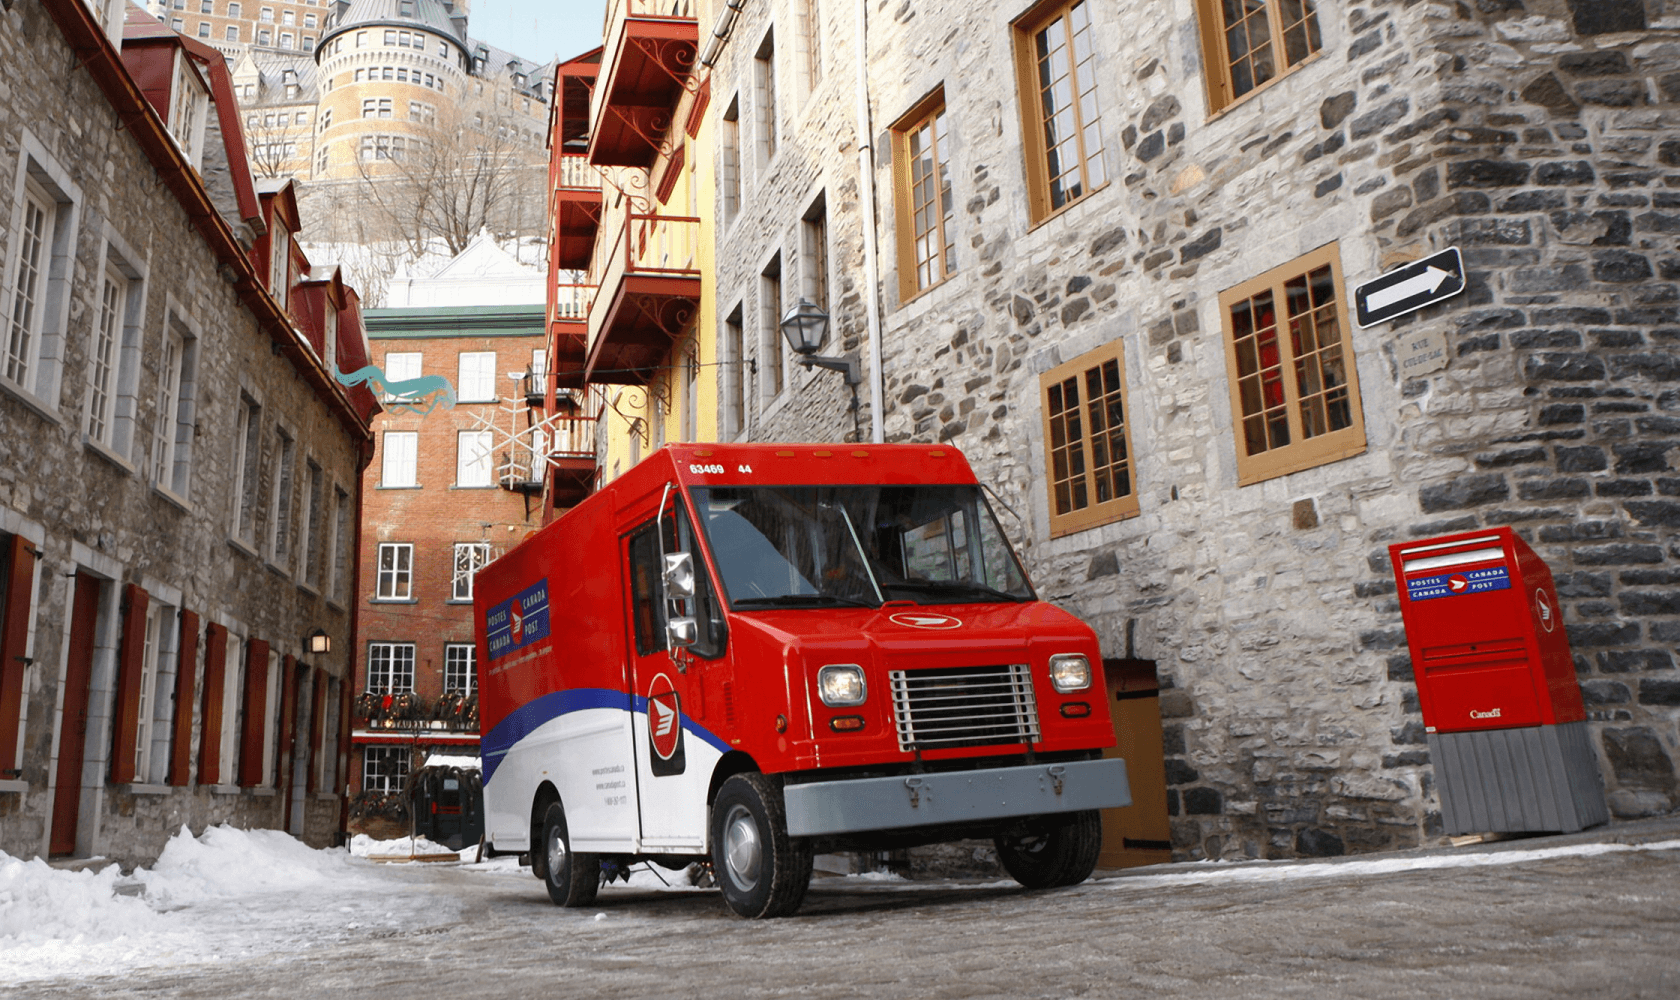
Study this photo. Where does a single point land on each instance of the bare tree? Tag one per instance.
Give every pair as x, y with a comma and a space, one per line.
274, 144
460, 170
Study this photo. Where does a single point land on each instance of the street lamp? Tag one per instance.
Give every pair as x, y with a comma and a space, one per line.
805, 326
318, 642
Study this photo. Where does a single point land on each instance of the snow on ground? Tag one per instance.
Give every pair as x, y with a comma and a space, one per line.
363, 846
230, 894
227, 894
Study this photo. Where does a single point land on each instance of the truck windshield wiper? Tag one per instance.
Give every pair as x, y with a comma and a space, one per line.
801, 601
956, 586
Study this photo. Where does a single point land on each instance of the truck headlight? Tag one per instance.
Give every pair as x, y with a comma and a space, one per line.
841, 684
1070, 672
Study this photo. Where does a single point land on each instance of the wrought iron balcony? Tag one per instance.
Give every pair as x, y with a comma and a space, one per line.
648, 268
646, 66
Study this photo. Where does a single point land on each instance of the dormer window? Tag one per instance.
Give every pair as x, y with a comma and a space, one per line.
329, 339
189, 106
279, 259
405, 8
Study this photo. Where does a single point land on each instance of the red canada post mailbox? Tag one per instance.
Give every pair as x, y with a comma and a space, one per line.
1501, 707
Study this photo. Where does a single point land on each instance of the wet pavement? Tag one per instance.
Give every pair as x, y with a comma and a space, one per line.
1538, 917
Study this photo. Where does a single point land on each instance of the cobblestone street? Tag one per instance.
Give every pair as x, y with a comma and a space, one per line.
1595, 914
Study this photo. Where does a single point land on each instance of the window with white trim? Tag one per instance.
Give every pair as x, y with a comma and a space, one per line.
470, 557
396, 571
390, 667
398, 463
312, 549
460, 667
385, 769
39, 271
166, 414
279, 263
477, 377
473, 458
338, 563
247, 444
280, 514
106, 356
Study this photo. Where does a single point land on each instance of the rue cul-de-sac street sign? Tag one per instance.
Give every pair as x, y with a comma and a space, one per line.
1410, 288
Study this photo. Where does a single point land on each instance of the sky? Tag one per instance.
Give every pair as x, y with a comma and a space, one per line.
539, 30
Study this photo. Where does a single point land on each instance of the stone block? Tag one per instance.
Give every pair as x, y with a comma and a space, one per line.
1597, 693
1590, 635
1581, 459
1464, 492
1487, 174
1633, 661
1655, 513
1621, 266
1620, 554
1637, 757
1642, 457
1661, 694
1651, 602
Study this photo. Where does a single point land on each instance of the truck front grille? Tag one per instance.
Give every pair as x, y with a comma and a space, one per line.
964, 706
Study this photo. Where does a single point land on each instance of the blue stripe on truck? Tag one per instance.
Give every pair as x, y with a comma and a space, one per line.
534, 714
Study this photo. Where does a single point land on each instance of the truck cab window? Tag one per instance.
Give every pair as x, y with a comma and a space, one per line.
650, 610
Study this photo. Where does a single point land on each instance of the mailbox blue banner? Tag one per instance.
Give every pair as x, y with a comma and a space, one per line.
516, 623
1476, 581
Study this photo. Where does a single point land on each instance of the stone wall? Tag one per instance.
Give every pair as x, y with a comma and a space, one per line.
93, 509
1535, 136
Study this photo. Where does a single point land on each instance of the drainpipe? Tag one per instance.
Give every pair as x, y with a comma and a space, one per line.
871, 266
720, 31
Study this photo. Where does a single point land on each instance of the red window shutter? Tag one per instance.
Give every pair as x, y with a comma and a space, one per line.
256, 709
14, 643
317, 728
125, 725
215, 689
186, 677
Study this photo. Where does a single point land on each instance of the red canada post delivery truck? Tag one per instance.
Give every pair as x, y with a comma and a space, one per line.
755, 653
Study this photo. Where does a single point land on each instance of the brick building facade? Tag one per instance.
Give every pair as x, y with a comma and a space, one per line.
1122, 197
179, 471
450, 489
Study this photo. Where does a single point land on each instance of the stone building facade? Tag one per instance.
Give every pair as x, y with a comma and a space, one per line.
179, 472
1231, 518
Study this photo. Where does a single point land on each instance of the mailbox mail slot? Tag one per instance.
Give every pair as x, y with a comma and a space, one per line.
1496, 684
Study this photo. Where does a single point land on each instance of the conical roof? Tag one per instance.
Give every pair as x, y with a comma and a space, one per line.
435, 15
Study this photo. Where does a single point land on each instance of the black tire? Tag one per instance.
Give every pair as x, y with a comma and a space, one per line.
762, 871
1057, 851
572, 878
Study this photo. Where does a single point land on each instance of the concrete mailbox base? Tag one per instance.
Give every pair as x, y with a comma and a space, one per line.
1534, 779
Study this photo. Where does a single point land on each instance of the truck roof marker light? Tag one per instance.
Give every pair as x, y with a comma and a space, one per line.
704, 454
784, 454
936, 453
851, 723
860, 454
823, 454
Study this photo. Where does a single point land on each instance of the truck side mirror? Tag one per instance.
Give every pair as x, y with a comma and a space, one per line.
679, 577
681, 632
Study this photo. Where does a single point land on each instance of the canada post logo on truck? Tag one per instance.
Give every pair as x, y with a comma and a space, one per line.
517, 622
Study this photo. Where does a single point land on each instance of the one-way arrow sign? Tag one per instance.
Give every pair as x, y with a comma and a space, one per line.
1410, 288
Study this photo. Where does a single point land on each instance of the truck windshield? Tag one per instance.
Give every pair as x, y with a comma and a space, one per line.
836, 546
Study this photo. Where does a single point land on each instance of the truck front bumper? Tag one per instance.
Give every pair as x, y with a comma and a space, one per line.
859, 805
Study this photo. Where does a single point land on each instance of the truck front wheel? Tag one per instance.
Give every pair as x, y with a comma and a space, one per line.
1060, 850
572, 878
762, 871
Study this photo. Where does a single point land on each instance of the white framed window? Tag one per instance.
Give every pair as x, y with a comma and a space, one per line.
339, 564
247, 450
470, 557
401, 454
312, 546
473, 458
329, 339
460, 667
189, 108
390, 667
396, 571
232, 33
106, 357
385, 769
166, 415
477, 381
401, 366
149, 655
280, 514
279, 263
271, 718
233, 708
38, 272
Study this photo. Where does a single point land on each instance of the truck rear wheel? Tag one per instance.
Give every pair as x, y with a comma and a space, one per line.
762, 871
572, 878
1061, 850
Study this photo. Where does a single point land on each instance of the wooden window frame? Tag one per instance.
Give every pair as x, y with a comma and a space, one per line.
1094, 512
1039, 201
253, 734
1216, 59
925, 114
1300, 452
17, 611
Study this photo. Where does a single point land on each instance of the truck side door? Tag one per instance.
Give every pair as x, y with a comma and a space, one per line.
675, 752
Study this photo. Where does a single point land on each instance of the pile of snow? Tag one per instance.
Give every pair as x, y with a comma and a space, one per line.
364, 846
55, 922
